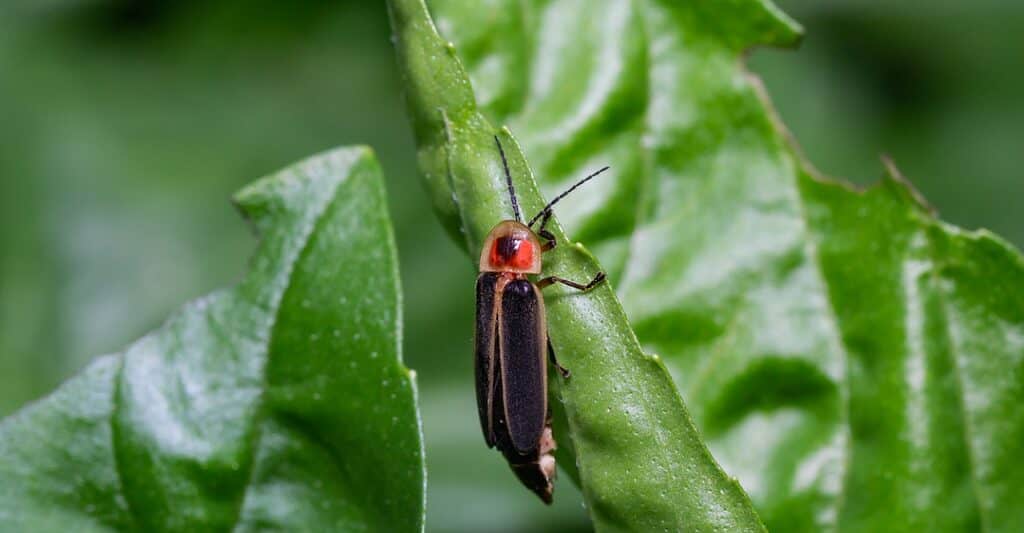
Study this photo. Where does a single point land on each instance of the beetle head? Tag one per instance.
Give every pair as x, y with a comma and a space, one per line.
511, 247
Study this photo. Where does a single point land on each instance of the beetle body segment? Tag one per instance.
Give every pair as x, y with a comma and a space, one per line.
522, 334
486, 350
511, 376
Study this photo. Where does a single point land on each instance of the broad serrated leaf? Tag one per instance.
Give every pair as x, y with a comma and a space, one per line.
641, 463
278, 404
856, 363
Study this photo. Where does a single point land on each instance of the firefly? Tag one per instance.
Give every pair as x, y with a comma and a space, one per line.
512, 345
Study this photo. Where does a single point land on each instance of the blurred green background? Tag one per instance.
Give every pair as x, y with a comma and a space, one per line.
126, 125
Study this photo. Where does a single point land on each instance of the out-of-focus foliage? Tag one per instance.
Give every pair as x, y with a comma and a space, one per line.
280, 403
938, 89
126, 125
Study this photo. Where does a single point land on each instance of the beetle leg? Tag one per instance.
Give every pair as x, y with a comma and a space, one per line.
551, 280
549, 240
542, 232
545, 217
554, 360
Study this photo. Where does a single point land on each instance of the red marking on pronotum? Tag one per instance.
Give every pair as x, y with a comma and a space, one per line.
511, 252
512, 342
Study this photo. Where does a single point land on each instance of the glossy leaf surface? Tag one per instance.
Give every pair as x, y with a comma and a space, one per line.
856, 363
278, 404
641, 464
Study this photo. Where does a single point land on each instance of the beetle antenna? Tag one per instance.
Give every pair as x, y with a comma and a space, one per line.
508, 179
547, 208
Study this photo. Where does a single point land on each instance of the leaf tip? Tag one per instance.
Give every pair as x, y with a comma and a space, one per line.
260, 197
785, 31
904, 187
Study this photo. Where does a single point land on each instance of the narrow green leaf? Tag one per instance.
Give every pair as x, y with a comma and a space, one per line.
856, 363
641, 463
280, 403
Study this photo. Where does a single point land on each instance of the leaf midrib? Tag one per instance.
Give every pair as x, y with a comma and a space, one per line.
954, 366
261, 407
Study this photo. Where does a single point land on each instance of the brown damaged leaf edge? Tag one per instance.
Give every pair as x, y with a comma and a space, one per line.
641, 463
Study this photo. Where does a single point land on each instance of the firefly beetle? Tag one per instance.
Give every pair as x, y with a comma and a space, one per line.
512, 342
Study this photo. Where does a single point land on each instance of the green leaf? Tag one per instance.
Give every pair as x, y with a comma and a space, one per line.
856, 363
641, 463
280, 403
